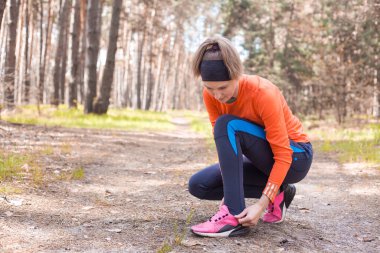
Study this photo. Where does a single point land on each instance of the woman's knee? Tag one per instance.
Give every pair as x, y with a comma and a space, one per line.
195, 188
222, 123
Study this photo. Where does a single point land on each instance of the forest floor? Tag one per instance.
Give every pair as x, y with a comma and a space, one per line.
134, 198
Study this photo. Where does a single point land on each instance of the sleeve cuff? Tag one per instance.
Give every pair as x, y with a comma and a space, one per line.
271, 190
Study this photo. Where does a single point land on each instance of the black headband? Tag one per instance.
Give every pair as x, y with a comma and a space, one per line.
214, 70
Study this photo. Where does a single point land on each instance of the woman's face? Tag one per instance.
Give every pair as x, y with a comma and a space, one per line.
222, 90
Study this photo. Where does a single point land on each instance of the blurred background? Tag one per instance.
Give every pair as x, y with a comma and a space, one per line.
324, 55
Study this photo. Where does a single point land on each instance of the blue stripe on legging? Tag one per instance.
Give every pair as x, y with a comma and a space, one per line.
246, 127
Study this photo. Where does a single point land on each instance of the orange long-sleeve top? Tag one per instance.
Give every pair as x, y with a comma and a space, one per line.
261, 102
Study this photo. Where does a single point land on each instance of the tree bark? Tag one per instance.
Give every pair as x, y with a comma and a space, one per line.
139, 83
160, 67
62, 75
102, 102
149, 72
19, 59
90, 76
46, 48
127, 98
3, 3
10, 58
60, 51
26, 51
75, 42
83, 46
376, 70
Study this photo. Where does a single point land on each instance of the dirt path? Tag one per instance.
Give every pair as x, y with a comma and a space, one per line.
134, 199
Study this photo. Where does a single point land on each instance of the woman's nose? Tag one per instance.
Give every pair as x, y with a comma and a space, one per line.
218, 95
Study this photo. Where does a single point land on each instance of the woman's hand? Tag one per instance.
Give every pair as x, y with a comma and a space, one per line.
251, 215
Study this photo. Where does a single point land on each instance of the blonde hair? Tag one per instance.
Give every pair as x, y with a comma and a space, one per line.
226, 52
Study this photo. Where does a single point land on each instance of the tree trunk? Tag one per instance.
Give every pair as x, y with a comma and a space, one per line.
90, 76
62, 75
127, 98
26, 51
3, 3
75, 42
10, 58
83, 46
139, 84
46, 49
376, 79
150, 80
19, 59
59, 52
160, 66
102, 103
140, 49
150, 76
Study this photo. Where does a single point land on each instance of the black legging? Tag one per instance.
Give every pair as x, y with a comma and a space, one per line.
245, 162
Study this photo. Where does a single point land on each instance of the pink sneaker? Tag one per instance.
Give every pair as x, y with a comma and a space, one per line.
222, 224
275, 212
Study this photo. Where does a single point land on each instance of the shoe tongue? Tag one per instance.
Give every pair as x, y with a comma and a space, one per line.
224, 209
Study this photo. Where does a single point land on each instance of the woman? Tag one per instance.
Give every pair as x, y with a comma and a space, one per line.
261, 145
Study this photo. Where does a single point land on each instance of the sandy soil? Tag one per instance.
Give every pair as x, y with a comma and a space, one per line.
134, 198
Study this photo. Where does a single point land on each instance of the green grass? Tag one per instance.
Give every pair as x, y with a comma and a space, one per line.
38, 176
125, 119
179, 233
15, 166
77, 174
10, 165
350, 144
48, 150
9, 190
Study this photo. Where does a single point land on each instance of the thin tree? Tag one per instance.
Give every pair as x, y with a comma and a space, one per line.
44, 53
62, 75
10, 58
26, 52
3, 3
140, 49
102, 102
90, 75
59, 52
75, 42
83, 46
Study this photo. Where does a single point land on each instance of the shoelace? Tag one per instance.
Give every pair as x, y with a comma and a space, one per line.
218, 218
270, 208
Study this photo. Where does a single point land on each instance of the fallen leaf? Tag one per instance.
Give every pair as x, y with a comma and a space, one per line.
368, 239
304, 209
88, 208
114, 230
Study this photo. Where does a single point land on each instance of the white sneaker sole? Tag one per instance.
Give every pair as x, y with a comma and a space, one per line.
234, 232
